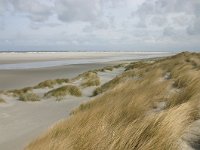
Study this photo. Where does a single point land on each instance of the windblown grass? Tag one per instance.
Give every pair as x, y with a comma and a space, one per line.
107, 68
91, 82
106, 86
51, 83
29, 97
89, 78
19, 92
123, 117
61, 92
110, 68
130, 74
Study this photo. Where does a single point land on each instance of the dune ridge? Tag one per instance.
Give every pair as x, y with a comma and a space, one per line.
151, 105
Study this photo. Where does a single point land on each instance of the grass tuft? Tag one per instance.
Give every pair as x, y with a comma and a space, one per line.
91, 82
134, 65
2, 100
51, 83
60, 92
29, 97
107, 68
89, 78
19, 92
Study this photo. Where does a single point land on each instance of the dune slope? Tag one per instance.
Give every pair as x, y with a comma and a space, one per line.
152, 105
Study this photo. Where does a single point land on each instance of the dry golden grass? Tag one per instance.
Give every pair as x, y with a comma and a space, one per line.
89, 78
107, 68
130, 74
51, 83
110, 68
19, 92
29, 96
60, 92
91, 82
127, 115
106, 86
120, 65
134, 65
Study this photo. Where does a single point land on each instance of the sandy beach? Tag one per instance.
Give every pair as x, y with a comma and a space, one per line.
19, 78
9, 58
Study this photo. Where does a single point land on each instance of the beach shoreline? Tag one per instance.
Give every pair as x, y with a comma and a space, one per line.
25, 57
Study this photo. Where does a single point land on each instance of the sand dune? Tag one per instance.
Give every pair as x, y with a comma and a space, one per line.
151, 105
23, 121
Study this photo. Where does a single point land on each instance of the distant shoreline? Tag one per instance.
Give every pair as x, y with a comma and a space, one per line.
30, 57
137, 52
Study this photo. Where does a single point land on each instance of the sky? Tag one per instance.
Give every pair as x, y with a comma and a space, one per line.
100, 25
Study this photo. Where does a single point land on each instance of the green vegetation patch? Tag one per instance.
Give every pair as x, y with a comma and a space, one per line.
107, 86
19, 92
63, 91
133, 65
2, 100
107, 68
51, 83
89, 78
91, 82
29, 97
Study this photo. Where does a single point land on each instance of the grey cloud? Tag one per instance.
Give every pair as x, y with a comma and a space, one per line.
166, 14
194, 29
159, 20
101, 23
165, 8
182, 19
169, 6
169, 31
77, 10
1, 25
35, 10
196, 7
38, 25
3, 5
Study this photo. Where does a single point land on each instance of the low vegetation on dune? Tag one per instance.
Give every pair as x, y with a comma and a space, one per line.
106, 86
134, 74
91, 82
134, 65
120, 65
110, 68
19, 92
147, 107
24, 94
61, 92
88, 79
2, 100
51, 83
29, 96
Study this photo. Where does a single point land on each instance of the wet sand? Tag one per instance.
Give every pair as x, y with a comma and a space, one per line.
19, 78
12, 79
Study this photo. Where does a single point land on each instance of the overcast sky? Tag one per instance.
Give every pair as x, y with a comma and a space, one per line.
134, 25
